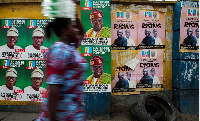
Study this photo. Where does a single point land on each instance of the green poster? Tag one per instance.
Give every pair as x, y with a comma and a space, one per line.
98, 77
12, 80
95, 15
13, 39
37, 45
35, 80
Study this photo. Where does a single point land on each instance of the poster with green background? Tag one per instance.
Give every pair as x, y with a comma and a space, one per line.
97, 56
102, 14
17, 69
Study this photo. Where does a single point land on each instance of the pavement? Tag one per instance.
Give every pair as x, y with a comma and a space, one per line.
14, 116
123, 116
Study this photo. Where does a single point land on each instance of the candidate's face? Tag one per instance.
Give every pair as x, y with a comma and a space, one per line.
12, 40
197, 33
152, 73
119, 33
154, 14
120, 75
97, 70
155, 32
127, 34
36, 82
145, 72
10, 81
147, 32
128, 76
37, 41
97, 24
189, 32
127, 15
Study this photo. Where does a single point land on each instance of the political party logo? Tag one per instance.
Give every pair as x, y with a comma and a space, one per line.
31, 24
191, 12
147, 14
6, 23
87, 51
5, 64
145, 54
30, 65
87, 5
119, 15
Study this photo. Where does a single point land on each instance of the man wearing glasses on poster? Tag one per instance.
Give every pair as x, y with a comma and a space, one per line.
98, 30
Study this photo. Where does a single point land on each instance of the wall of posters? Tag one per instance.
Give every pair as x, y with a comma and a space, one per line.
189, 29
23, 58
96, 45
137, 43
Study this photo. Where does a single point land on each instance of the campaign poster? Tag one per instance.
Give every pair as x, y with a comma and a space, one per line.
124, 26
35, 80
149, 70
13, 39
12, 80
95, 16
151, 30
189, 29
98, 76
36, 44
122, 66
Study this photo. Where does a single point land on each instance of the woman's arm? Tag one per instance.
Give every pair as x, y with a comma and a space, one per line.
53, 100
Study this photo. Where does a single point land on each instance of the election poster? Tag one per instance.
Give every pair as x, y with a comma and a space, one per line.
151, 30
95, 15
189, 29
12, 82
98, 77
35, 80
13, 39
124, 26
36, 44
149, 70
123, 63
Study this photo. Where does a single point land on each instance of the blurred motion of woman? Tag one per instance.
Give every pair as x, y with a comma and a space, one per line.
65, 73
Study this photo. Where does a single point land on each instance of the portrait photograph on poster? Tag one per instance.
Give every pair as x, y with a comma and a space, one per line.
96, 18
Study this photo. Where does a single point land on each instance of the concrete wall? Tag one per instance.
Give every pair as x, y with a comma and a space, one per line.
33, 11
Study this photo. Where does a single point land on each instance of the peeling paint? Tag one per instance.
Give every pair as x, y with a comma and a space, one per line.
190, 70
